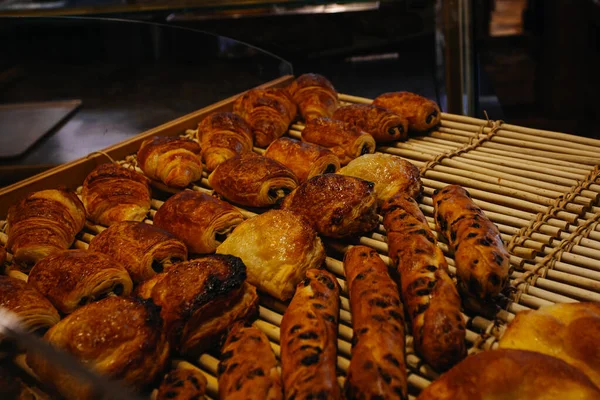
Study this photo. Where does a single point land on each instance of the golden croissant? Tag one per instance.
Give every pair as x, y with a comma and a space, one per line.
314, 95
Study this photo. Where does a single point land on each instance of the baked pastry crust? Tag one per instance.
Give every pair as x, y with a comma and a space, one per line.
422, 114
183, 384
277, 247
314, 95
384, 125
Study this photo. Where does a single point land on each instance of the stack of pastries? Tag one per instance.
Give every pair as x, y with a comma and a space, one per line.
190, 280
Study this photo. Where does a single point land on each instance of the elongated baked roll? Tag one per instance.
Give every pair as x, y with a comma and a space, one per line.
73, 278
277, 247
248, 368
143, 249
268, 111
511, 374
430, 297
199, 220
173, 160
34, 310
422, 114
43, 223
392, 175
117, 336
384, 125
309, 339
566, 331
377, 368
183, 384
112, 193
335, 205
304, 159
346, 141
482, 262
315, 96
222, 136
253, 180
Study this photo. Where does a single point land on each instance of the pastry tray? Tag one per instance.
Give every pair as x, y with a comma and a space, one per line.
539, 187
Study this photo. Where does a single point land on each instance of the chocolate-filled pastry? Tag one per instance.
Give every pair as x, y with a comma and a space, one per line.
511, 374
34, 310
222, 136
252, 180
278, 247
268, 111
309, 339
119, 337
199, 220
200, 299
304, 159
346, 141
143, 249
248, 368
482, 262
336, 205
183, 384
430, 297
315, 96
43, 223
112, 194
173, 160
392, 175
73, 278
422, 114
377, 368
567, 331
384, 125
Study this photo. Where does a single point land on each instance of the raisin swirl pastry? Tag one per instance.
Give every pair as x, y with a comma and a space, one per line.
73, 278
430, 297
304, 159
382, 124
143, 249
244, 377
183, 384
222, 136
347, 142
422, 114
199, 220
43, 223
112, 194
482, 262
118, 337
377, 368
34, 310
268, 111
315, 96
173, 160
309, 339
336, 205
252, 180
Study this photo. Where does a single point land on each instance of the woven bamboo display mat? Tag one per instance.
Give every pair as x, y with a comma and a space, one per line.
540, 188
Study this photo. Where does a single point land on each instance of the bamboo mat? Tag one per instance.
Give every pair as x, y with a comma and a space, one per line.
540, 188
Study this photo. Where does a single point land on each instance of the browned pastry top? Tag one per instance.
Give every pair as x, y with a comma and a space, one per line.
306, 80
383, 124
164, 144
226, 121
315, 96
420, 112
182, 384
43, 204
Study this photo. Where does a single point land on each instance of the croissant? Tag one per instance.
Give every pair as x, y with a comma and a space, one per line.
43, 223
222, 136
422, 114
314, 95
143, 249
174, 161
113, 194
268, 111
382, 124
344, 140
34, 310
252, 180
117, 336
304, 159
199, 220
73, 278
392, 175
183, 384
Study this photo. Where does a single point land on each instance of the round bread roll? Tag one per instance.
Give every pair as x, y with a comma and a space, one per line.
511, 374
